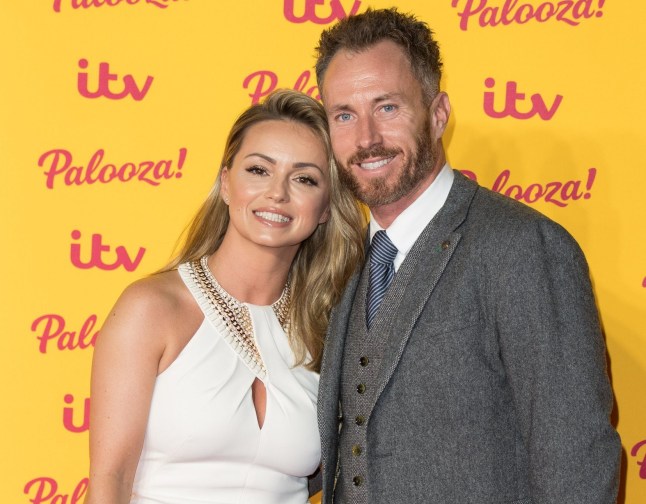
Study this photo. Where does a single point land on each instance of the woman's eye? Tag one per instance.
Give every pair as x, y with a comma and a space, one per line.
307, 180
256, 170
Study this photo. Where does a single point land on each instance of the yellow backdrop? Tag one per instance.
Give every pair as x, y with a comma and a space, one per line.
113, 114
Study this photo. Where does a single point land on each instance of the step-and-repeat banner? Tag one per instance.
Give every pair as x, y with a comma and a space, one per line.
113, 115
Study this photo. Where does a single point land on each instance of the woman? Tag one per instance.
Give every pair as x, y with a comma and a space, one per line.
204, 379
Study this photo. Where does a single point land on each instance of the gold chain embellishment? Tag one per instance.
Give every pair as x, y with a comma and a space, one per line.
235, 314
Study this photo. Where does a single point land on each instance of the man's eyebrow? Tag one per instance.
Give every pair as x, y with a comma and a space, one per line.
378, 99
386, 97
339, 107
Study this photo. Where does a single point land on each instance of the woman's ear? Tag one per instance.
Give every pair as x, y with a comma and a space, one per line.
325, 216
224, 184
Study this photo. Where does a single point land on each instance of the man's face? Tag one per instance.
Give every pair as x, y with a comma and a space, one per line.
380, 127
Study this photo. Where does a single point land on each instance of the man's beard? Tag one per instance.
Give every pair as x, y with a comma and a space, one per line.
377, 192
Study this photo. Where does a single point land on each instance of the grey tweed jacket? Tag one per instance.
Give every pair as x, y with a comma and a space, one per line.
493, 384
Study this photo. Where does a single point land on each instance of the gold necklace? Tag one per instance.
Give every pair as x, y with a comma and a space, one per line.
235, 314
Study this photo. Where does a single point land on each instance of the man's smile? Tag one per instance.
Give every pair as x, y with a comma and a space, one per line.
374, 165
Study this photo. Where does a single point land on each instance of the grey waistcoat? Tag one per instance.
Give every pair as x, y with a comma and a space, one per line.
361, 361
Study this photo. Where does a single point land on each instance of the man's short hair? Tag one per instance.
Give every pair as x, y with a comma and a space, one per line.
362, 31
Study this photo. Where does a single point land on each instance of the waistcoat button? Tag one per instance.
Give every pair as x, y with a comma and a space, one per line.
361, 388
364, 361
357, 481
356, 450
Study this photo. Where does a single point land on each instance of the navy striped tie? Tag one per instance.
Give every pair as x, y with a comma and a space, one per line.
381, 273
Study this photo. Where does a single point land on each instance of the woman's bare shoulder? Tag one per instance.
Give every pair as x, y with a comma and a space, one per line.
162, 295
159, 305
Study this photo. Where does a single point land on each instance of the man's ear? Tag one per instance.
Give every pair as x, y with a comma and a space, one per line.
440, 110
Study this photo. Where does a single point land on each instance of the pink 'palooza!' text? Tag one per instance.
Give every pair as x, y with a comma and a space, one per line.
491, 13
87, 4
637, 451
263, 82
52, 332
46, 490
59, 166
556, 192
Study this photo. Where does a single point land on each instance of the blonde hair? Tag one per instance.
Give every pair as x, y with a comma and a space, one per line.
325, 261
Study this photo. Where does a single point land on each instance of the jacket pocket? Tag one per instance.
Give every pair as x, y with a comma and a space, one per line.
448, 324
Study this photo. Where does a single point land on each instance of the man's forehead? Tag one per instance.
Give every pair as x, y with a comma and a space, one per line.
371, 78
378, 49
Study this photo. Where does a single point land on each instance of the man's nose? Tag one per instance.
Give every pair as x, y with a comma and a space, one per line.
368, 133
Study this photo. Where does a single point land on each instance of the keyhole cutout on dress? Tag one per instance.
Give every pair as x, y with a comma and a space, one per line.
259, 397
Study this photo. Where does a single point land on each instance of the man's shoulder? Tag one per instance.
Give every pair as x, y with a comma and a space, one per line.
500, 219
491, 202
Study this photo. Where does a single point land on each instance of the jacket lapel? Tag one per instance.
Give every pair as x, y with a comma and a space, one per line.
419, 274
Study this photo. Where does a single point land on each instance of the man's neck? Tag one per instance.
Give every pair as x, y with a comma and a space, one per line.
386, 214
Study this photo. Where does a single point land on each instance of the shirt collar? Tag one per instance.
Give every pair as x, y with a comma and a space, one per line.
409, 224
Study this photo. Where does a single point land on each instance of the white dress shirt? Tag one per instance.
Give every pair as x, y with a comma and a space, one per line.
406, 228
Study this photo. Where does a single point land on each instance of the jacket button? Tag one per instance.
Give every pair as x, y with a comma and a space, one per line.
364, 361
359, 420
357, 481
356, 450
446, 244
361, 388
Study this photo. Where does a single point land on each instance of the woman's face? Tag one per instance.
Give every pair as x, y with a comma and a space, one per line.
277, 188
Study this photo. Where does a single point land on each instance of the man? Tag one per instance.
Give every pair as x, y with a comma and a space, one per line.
465, 363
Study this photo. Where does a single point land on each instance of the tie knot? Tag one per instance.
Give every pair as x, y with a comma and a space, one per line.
382, 250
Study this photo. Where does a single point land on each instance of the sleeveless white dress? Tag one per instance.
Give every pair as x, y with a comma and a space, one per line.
203, 444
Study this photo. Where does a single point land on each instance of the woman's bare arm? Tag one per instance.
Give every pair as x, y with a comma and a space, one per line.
126, 362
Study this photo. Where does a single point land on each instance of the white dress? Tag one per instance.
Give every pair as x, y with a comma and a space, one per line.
203, 444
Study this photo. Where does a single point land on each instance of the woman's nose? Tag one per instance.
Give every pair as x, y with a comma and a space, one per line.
277, 189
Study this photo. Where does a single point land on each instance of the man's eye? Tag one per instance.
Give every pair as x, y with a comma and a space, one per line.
344, 117
389, 108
